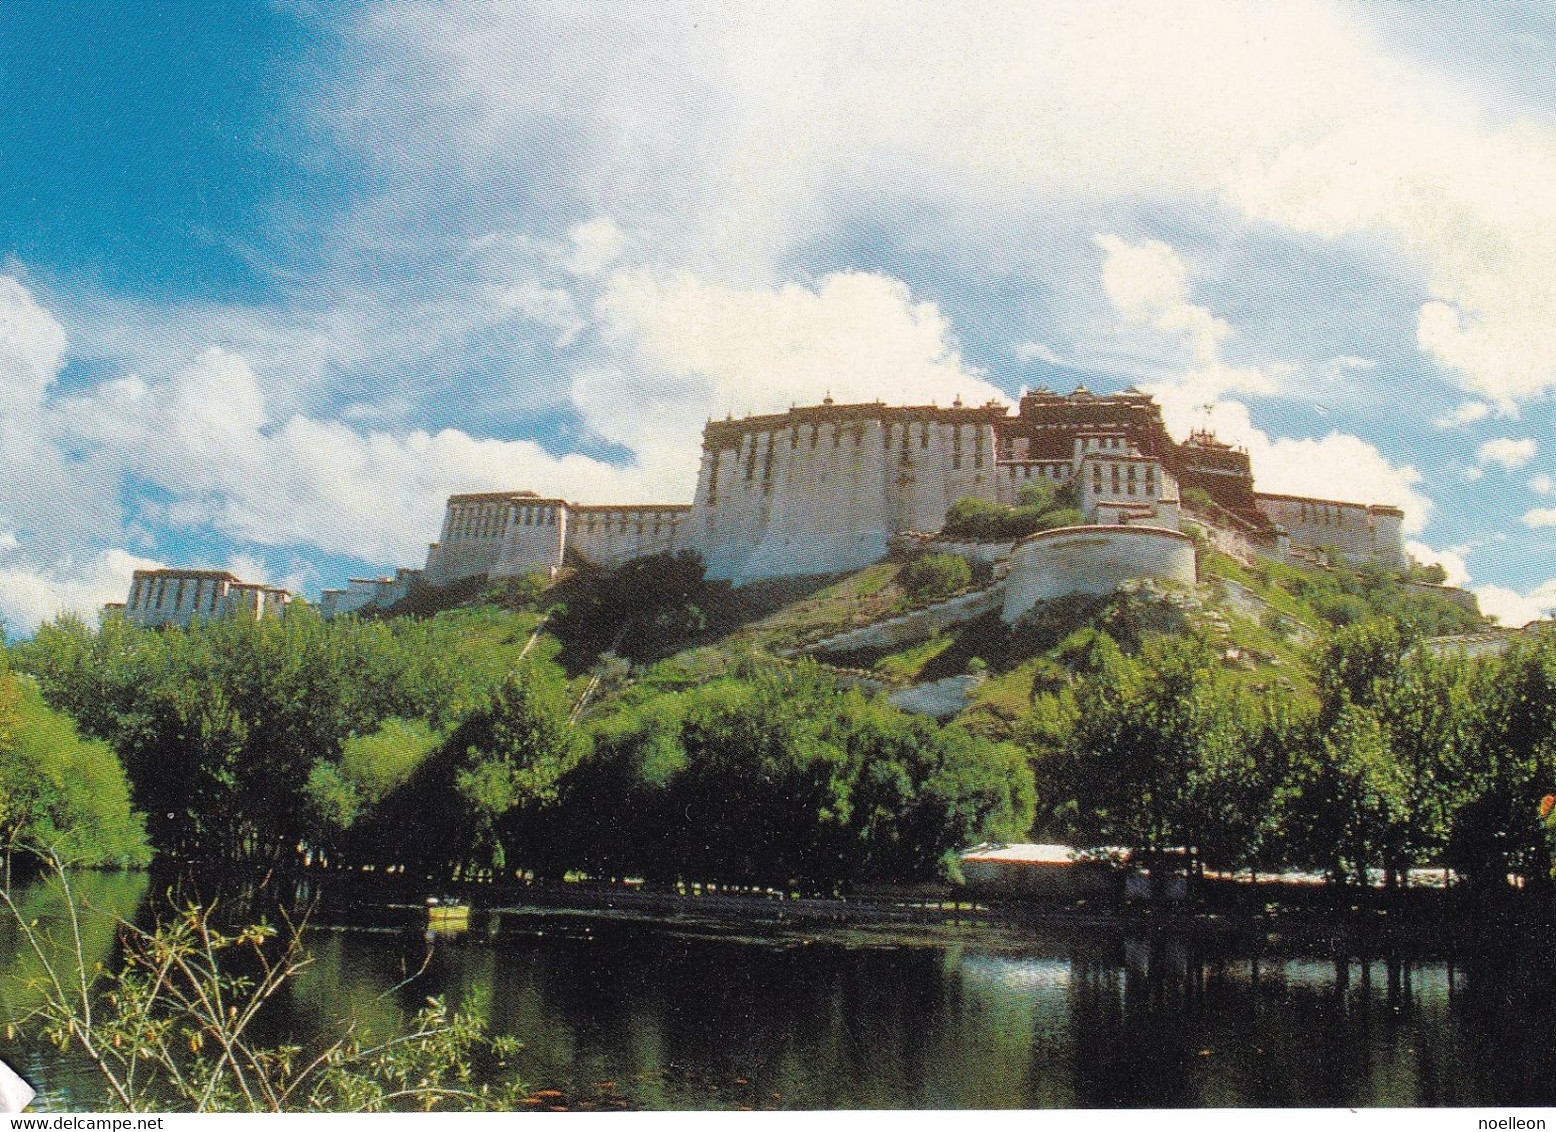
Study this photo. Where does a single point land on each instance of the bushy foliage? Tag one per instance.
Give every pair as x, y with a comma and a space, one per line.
1346, 594
781, 777
175, 1021
1040, 507
220, 726
654, 605
60, 790
935, 577
1406, 758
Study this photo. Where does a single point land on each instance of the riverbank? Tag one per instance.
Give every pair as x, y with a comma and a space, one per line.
1414, 922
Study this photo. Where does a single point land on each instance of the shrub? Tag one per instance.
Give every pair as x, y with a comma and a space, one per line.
935, 577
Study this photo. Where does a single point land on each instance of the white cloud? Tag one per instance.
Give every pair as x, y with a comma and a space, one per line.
32, 347
1542, 484
593, 246
546, 306
730, 134
1148, 284
31, 595
1450, 559
1507, 452
209, 438
1034, 351
695, 349
1516, 609
1467, 413
1538, 517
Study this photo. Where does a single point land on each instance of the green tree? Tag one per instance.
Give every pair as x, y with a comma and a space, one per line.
935, 577
1352, 803
517, 751
59, 790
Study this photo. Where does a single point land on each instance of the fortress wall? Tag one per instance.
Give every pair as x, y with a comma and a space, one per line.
935, 463
1462, 598
609, 536
824, 490
1359, 532
474, 530
1236, 545
534, 537
1118, 478
721, 526
986, 552
177, 597
916, 625
1092, 560
827, 511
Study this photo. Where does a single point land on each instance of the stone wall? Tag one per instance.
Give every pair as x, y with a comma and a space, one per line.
178, 597
824, 489
611, 535
1093, 560
534, 538
1356, 530
477, 529
916, 625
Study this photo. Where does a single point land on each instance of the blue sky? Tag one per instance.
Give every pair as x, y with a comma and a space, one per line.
275, 278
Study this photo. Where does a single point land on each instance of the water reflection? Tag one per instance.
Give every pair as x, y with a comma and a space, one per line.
692, 1012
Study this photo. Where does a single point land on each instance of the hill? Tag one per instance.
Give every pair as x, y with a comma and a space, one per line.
657, 623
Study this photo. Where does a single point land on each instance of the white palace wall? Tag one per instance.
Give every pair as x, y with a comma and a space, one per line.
1360, 532
477, 529
611, 535
826, 488
1092, 560
818, 492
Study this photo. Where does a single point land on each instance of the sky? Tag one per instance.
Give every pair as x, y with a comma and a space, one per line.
276, 278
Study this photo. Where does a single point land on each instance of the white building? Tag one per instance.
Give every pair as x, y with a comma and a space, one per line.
178, 597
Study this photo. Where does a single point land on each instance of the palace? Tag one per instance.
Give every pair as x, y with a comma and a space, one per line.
177, 597
827, 488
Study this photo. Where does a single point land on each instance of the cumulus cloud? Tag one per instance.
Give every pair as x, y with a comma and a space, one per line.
1457, 571
1542, 484
1506, 452
1516, 609
1149, 282
730, 134
1336, 466
1538, 517
1466, 413
592, 246
217, 453
689, 349
31, 595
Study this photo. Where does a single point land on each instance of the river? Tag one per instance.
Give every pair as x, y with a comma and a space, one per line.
692, 1009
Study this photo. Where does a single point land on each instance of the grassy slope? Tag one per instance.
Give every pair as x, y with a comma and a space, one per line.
1263, 629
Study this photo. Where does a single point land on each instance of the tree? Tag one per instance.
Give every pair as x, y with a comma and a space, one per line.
517, 750
60, 791
935, 577
1353, 800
